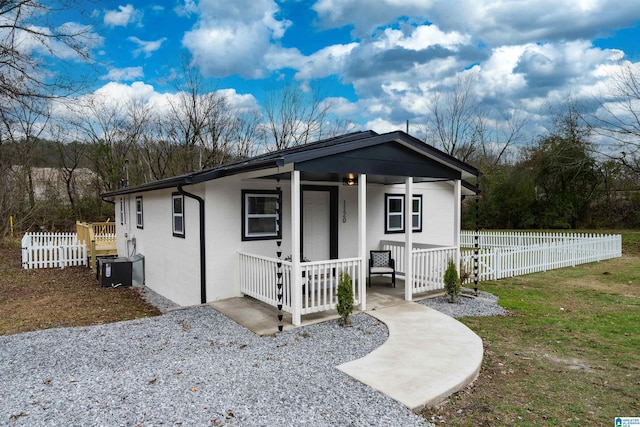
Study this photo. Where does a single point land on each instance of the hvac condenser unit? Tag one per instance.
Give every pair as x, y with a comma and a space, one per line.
114, 272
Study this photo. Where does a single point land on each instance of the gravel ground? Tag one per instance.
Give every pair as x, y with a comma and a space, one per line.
192, 367
197, 367
485, 304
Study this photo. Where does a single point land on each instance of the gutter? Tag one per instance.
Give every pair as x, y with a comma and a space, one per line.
203, 269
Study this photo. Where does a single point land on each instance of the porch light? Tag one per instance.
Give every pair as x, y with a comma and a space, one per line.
350, 180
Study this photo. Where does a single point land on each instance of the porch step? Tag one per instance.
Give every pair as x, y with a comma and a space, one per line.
427, 357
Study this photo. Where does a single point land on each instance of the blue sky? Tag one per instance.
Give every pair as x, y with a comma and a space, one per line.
379, 62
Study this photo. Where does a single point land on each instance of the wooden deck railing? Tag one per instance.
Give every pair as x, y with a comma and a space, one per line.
100, 238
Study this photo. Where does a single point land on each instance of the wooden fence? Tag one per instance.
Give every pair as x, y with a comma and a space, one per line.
51, 250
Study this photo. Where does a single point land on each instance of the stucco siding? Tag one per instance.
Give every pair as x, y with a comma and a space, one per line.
437, 214
171, 263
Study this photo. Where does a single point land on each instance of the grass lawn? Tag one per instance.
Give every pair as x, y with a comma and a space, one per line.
52, 298
568, 355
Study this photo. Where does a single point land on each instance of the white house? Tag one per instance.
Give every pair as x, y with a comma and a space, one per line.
229, 231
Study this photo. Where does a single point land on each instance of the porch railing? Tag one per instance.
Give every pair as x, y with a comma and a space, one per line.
258, 279
429, 266
319, 281
397, 251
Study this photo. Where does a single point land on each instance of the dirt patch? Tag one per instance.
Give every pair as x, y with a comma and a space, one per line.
50, 298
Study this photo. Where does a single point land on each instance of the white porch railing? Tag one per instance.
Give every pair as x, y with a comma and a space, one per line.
258, 279
50, 250
319, 281
397, 251
429, 266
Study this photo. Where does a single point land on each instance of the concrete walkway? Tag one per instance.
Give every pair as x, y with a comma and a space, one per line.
427, 357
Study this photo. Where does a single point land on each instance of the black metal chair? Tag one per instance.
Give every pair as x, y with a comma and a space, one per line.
380, 262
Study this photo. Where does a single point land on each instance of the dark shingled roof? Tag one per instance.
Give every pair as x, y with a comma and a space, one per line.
324, 149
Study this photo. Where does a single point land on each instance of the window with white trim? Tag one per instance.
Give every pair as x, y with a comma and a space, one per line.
139, 218
394, 213
261, 215
177, 211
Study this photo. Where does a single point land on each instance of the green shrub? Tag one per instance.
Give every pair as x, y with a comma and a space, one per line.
452, 281
345, 298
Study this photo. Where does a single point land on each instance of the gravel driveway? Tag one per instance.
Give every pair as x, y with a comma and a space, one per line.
192, 367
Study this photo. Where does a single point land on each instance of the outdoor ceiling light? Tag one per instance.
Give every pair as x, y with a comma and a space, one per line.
350, 180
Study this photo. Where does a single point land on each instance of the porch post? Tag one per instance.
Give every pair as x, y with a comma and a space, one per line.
296, 288
362, 238
457, 196
408, 239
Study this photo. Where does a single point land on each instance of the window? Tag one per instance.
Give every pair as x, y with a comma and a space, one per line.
394, 213
122, 216
416, 213
178, 215
139, 219
260, 215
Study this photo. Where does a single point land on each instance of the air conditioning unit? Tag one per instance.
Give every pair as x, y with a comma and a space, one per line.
114, 272
121, 271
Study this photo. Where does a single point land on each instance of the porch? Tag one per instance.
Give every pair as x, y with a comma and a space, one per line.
261, 318
314, 297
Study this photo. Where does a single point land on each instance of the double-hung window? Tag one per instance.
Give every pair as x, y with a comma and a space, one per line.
261, 215
394, 213
139, 218
178, 214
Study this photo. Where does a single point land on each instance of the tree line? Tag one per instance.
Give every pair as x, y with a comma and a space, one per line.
583, 172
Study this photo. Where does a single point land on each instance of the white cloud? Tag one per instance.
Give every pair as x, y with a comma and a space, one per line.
495, 22
122, 17
124, 74
381, 125
188, 8
146, 47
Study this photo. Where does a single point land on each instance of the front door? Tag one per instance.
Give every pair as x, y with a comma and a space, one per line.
319, 223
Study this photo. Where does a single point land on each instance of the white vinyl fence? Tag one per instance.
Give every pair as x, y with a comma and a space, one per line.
509, 254
50, 250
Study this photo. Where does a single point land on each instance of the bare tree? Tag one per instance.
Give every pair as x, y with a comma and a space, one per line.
28, 38
496, 140
23, 123
454, 121
618, 117
293, 117
112, 128
200, 121
246, 134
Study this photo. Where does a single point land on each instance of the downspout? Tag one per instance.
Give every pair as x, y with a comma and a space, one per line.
113, 202
203, 269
